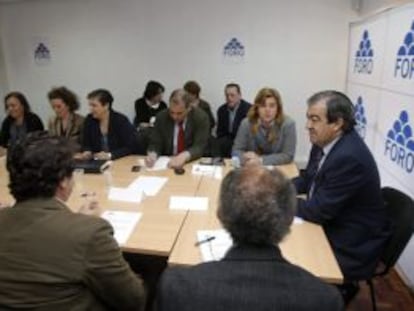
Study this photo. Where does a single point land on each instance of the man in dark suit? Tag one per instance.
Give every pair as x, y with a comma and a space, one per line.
253, 275
181, 131
51, 258
343, 186
229, 117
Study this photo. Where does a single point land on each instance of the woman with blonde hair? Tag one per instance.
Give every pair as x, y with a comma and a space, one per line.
266, 136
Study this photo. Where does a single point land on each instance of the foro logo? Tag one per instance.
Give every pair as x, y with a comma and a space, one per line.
360, 118
364, 62
404, 65
234, 48
399, 144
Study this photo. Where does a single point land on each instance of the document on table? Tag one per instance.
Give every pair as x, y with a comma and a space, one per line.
209, 170
297, 220
160, 164
148, 184
123, 223
213, 244
189, 203
125, 195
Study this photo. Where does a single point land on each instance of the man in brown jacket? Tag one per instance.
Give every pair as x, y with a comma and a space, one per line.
51, 258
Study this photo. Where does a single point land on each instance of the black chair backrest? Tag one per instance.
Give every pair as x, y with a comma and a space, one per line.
401, 212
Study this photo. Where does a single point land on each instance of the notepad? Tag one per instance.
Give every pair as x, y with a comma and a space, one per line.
123, 223
125, 195
189, 203
217, 247
148, 184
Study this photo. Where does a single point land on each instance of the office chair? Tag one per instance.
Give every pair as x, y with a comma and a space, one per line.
400, 209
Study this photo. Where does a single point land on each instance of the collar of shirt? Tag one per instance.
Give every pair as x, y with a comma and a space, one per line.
151, 105
328, 149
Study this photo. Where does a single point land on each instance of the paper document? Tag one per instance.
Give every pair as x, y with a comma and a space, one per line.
160, 164
216, 248
189, 203
297, 220
148, 184
210, 170
125, 195
123, 223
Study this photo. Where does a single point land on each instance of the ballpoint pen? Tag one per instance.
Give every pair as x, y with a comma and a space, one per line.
208, 239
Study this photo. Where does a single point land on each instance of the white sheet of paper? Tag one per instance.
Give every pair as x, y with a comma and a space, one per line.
216, 248
123, 223
297, 220
189, 203
210, 170
148, 184
125, 195
160, 164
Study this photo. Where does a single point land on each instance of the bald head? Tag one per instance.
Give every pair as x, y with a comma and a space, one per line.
256, 205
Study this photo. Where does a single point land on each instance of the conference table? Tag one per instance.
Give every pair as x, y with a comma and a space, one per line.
165, 232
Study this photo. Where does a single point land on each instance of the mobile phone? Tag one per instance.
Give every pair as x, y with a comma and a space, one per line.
136, 168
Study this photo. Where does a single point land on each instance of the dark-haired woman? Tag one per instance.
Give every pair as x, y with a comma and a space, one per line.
66, 122
19, 121
147, 107
107, 134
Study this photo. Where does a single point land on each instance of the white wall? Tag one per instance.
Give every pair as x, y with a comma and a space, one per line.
296, 46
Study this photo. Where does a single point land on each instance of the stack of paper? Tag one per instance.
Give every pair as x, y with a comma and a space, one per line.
148, 184
125, 195
123, 223
213, 244
160, 164
189, 203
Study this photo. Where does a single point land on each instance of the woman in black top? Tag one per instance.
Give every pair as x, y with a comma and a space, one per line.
107, 134
147, 107
19, 121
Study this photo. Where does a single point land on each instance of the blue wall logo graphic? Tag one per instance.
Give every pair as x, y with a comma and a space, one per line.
234, 48
399, 144
404, 65
364, 56
42, 54
360, 118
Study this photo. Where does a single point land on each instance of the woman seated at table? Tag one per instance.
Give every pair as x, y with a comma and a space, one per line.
148, 106
66, 122
19, 121
107, 134
266, 136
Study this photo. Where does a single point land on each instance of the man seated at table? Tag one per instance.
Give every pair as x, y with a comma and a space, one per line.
181, 131
51, 258
229, 117
253, 275
343, 188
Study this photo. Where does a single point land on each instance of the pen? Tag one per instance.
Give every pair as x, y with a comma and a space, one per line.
210, 238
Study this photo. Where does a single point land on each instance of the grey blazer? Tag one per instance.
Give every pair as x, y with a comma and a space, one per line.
283, 149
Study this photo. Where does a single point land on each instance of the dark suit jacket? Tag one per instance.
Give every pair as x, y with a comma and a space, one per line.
31, 121
143, 113
207, 109
248, 278
52, 259
347, 202
121, 135
196, 133
223, 119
